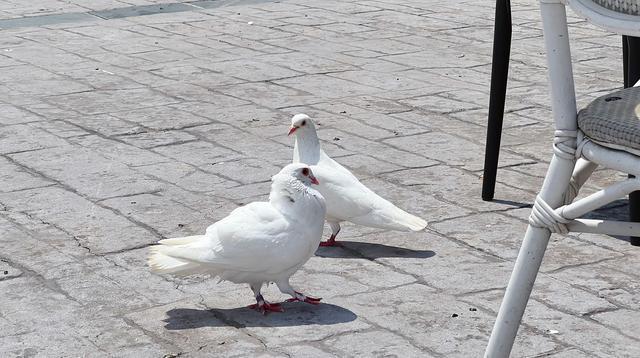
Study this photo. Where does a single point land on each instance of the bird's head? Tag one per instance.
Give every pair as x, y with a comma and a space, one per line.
300, 123
301, 172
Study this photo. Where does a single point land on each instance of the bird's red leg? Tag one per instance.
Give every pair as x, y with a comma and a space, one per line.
265, 307
304, 298
331, 242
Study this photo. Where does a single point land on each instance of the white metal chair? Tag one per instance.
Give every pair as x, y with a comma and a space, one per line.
606, 133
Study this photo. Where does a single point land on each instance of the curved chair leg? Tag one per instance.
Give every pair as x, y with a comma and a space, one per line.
555, 184
581, 174
518, 292
528, 263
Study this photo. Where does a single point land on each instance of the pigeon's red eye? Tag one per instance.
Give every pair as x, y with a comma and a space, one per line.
305, 171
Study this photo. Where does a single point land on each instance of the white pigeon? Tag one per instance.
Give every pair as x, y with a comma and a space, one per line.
258, 243
346, 197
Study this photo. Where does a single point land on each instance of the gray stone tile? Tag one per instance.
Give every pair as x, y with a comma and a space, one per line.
619, 318
100, 230
377, 150
252, 70
615, 286
569, 328
118, 133
193, 328
152, 209
91, 174
567, 298
105, 124
374, 343
15, 177
306, 62
95, 102
212, 154
458, 335
15, 115
151, 139
61, 129
503, 236
452, 150
24, 137
8, 272
460, 188
252, 145
270, 95
165, 117
326, 86
50, 332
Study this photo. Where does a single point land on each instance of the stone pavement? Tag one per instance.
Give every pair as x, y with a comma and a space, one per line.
118, 132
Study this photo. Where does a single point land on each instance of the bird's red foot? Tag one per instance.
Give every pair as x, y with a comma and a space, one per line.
331, 242
266, 307
305, 298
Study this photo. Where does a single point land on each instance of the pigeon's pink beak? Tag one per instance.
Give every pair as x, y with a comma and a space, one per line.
314, 180
291, 130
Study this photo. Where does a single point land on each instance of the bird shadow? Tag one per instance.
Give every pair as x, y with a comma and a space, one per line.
295, 314
358, 250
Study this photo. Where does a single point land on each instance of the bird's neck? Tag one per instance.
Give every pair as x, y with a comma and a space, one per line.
288, 195
307, 148
285, 190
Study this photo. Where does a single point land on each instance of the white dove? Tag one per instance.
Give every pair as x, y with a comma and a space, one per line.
258, 243
346, 197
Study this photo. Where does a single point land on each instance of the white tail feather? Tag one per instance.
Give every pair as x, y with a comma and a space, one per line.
415, 223
180, 240
399, 217
161, 261
391, 217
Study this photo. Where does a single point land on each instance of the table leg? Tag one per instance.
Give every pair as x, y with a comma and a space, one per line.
499, 72
631, 66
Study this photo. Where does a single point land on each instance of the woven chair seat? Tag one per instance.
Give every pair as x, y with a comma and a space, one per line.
629, 7
614, 119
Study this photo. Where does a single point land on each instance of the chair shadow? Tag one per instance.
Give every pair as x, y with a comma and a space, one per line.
617, 210
358, 250
295, 314
516, 204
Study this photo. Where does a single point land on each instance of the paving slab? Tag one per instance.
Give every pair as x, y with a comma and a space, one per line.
126, 122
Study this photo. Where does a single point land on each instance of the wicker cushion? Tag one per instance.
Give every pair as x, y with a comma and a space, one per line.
630, 7
613, 119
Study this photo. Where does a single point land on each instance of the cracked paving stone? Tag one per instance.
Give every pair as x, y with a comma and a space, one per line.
91, 174
403, 311
504, 236
15, 177
604, 342
100, 230
7, 271
194, 329
25, 137
378, 343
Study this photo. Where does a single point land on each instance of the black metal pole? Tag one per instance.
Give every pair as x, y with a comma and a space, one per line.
625, 61
499, 72
631, 64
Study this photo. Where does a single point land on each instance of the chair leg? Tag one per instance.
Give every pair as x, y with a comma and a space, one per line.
631, 61
499, 73
518, 292
634, 213
528, 262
